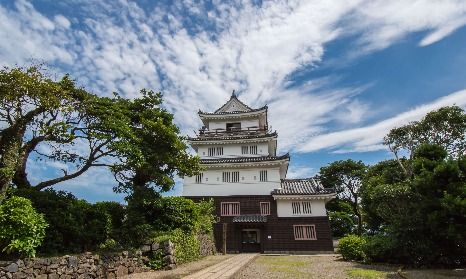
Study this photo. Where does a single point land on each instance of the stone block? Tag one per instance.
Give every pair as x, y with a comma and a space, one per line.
154, 246
121, 271
72, 261
53, 276
13, 267
145, 248
41, 276
168, 259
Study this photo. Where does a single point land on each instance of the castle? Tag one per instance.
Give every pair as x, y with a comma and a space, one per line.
258, 209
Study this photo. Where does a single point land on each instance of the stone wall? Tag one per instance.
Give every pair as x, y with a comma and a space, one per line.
207, 245
87, 265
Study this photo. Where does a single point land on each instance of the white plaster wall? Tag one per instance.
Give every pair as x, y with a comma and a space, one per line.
284, 208
245, 123
249, 183
234, 150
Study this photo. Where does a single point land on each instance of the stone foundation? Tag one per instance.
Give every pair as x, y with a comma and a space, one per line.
87, 265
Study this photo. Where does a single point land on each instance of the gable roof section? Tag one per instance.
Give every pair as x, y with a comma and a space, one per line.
305, 186
233, 105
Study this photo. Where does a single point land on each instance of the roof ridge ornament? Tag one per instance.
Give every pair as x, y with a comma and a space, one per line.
233, 94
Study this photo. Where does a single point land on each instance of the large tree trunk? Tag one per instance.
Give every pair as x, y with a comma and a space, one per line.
10, 149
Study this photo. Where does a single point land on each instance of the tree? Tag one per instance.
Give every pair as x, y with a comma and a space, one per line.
445, 127
28, 98
346, 176
136, 138
421, 215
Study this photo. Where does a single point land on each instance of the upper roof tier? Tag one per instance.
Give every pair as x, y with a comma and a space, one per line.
232, 107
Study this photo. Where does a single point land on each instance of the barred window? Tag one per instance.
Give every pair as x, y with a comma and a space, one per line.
304, 232
213, 151
306, 207
301, 208
230, 176
296, 207
226, 176
253, 149
244, 150
265, 208
235, 176
263, 175
229, 209
199, 178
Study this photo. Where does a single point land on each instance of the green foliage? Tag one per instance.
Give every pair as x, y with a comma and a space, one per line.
341, 223
346, 177
186, 244
380, 248
351, 247
445, 127
74, 225
156, 260
418, 219
22, 229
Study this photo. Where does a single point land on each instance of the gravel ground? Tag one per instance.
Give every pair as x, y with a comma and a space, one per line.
181, 270
331, 266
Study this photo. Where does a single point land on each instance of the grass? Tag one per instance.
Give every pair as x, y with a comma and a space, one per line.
285, 264
358, 273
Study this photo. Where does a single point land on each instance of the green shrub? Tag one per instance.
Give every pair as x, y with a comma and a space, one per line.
351, 247
186, 244
380, 248
22, 229
75, 225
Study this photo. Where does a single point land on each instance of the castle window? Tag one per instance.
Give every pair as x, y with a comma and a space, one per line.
265, 208
263, 175
253, 149
226, 176
296, 207
230, 176
304, 232
229, 208
233, 126
215, 151
244, 150
301, 208
199, 178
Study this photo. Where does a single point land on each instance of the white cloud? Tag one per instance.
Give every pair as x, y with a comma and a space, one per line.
369, 138
300, 172
254, 49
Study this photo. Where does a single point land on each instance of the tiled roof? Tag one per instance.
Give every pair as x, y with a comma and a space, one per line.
306, 186
234, 137
250, 219
244, 159
233, 98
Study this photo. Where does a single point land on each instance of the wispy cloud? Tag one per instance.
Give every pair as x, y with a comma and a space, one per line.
196, 53
370, 138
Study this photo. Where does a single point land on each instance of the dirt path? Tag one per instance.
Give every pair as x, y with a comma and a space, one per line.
332, 267
182, 270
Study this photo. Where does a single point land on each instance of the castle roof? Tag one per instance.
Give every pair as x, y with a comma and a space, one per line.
233, 106
245, 159
303, 186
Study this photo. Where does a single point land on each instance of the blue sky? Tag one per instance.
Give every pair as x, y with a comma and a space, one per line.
337, 75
